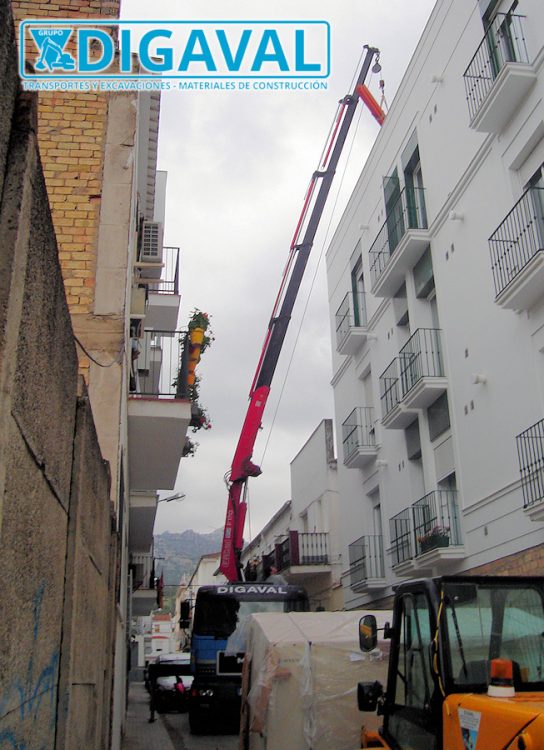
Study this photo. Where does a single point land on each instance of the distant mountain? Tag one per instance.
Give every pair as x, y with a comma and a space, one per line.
181, 553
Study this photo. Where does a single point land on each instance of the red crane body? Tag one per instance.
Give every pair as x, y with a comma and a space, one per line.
299, 251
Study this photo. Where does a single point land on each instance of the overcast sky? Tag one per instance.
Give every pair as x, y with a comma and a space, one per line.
238, 166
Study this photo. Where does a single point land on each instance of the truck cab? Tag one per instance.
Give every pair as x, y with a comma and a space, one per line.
466, 666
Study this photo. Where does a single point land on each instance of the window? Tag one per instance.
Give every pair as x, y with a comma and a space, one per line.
412, 723
423, 275
393, 211
438, 415
413, 440
358, 289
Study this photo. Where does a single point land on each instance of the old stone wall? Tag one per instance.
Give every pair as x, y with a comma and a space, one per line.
56, 541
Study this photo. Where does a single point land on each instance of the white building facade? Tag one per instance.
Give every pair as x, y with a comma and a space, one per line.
302, 539
436, 293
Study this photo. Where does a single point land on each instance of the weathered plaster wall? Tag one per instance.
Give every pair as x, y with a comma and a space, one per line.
56, 546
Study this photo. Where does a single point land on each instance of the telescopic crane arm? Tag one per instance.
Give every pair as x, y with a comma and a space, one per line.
299, 251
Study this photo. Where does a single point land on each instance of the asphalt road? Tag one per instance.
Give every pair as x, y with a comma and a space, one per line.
177, 726
168, 731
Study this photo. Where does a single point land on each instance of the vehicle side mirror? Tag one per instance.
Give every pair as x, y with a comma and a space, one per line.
368, 633
368, 695
184, 615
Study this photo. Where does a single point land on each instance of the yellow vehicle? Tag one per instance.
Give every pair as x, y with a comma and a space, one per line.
466, 669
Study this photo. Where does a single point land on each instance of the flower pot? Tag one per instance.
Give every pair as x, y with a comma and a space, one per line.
191, 378
433, 542
196, 336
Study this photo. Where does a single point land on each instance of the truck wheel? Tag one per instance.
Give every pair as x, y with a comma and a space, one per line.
196, 723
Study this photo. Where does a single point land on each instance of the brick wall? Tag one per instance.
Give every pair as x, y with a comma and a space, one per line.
72, 131
529, 562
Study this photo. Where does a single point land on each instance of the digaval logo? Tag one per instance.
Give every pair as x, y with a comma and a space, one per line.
143, 50
52, 57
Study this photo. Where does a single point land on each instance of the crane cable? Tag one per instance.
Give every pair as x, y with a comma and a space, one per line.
323, 245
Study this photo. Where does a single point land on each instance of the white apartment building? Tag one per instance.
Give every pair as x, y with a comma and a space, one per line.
302, 539
436, 292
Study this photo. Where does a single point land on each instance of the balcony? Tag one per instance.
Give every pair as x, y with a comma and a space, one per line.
157, 415
351, 322
400, 243
359, 438
517, 253
530, 445
144, 593
366, 564
395, 414
163, 296
437, 528
426, 536
142, 512
300, 557
499, 76
422, 378
413, 380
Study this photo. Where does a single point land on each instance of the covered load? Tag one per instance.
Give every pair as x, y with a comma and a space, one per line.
299, 686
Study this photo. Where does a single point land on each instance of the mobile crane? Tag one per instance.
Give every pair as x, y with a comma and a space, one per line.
466, 666
314, 202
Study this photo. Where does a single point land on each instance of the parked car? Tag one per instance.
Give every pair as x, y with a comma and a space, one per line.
170, 681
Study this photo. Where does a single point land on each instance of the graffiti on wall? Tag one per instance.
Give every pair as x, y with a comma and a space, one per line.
30, 698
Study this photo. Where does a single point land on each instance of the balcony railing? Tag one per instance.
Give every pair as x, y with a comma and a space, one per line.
366, 559
419, 358
432, 522
169, 280
302, 548
358, 431
436, 521
531, 463
518, 239
402, 537
407, 213
156, 363
350, 314
390, 393
142, 565
504, 42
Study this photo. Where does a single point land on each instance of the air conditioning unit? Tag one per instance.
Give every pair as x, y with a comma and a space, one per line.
152, 239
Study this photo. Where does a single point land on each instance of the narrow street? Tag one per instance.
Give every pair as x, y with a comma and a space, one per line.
168, 731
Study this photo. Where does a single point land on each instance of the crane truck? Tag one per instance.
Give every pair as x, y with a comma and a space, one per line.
220, 611
314, 202
466, 666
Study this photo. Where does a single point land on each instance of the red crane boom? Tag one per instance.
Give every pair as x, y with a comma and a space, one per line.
299, 251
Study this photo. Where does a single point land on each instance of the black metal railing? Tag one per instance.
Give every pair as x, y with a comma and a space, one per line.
283, 554
420, 357
518, 238
350, 314
407, 213
142, 565
169, 280
503, 42
358, 431
436, 521
530, 445
313, 547
402, 537
366, 559
156, 363
390, 393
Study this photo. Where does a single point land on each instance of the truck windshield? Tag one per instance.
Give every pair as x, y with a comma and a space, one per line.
220, 616
488, 621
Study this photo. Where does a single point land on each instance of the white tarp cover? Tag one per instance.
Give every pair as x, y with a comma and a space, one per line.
303, 673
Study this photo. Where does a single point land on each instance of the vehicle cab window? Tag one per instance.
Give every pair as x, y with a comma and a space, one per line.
411, 722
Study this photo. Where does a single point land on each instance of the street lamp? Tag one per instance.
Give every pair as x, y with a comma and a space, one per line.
177, 496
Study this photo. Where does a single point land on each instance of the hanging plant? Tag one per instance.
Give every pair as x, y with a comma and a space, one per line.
189, 447
200, 419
